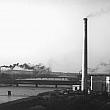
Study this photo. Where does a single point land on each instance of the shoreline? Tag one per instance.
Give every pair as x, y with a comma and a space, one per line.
56, 101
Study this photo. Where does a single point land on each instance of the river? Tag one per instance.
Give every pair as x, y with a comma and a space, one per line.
22, 91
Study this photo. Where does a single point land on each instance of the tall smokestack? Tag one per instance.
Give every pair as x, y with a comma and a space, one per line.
84, 86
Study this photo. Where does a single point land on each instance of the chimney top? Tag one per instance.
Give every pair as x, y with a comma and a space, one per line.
85, 18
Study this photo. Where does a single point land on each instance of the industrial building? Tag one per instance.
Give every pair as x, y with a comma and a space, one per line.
96, 82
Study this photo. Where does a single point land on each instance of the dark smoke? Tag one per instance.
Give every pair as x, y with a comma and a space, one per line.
27, 66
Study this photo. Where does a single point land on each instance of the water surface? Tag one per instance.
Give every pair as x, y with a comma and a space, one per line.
21, 92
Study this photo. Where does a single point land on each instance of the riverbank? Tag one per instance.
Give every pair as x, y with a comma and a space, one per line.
50, 98
55, 100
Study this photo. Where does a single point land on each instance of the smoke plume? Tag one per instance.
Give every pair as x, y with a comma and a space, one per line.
99, 13
102, 68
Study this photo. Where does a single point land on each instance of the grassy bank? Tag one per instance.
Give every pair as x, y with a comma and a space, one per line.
58, 101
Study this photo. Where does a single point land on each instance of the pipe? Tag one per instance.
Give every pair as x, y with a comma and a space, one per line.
84, 85
91, 82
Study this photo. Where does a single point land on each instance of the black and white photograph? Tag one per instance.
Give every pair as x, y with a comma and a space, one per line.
54, 54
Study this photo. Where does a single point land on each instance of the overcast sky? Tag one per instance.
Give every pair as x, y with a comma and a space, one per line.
51, 32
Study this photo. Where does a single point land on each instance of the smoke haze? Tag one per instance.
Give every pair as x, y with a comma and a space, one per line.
99, 13
103, 67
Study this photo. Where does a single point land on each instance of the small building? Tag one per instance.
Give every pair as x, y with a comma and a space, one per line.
100, 83
76, 87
